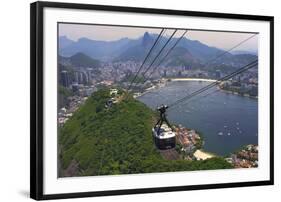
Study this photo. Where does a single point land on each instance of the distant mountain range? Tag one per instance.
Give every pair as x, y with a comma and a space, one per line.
187, 52
101, 50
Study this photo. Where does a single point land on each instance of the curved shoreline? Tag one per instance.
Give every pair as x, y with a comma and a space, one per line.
202, 153
193, 79
238, 94
196, 79
171, 80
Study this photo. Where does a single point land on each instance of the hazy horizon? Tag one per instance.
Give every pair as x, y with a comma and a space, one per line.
222, 40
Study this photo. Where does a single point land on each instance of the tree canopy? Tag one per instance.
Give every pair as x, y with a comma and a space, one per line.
117, 140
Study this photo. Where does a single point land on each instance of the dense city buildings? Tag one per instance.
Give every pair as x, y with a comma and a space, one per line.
64, 79
245, 158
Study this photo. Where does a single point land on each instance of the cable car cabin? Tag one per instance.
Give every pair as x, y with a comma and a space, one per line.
110, 102
164, 138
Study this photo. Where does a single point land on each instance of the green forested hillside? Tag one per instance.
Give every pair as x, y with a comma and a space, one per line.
63, 93
100, 141
82, 60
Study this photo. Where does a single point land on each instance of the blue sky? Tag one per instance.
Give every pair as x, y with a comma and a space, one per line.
223, 40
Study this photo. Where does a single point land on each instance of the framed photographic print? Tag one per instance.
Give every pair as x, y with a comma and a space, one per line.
135, 100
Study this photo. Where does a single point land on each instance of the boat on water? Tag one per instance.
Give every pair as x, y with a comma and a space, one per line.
228, 134
220, 133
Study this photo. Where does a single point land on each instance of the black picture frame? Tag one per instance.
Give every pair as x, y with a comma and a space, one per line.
36, 98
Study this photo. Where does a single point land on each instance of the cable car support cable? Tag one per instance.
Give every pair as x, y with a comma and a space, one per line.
159, 53
147, 56
163, 59
235, 73
212, 59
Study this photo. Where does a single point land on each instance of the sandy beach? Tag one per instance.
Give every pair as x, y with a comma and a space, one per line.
201, 155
